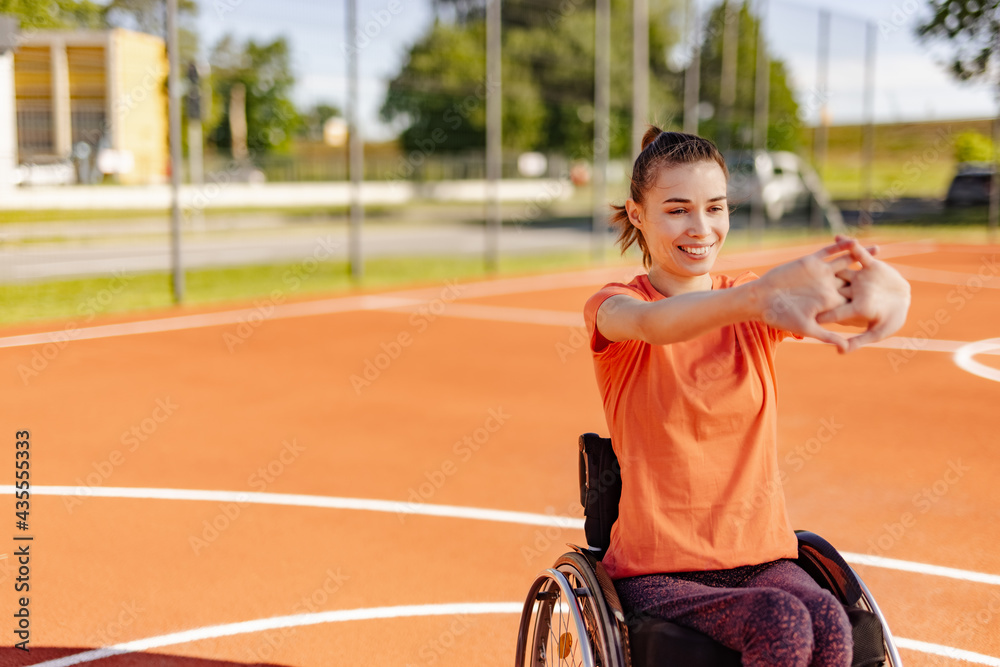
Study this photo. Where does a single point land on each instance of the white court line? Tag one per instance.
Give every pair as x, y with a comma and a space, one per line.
184, 322
418, 610
389, 300
427, 509
302, 500
921, 568
475, 311
947, 277
382, 613
947, 651
297, 620
964, 360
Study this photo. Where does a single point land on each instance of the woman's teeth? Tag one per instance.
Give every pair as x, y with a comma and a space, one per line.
696, 250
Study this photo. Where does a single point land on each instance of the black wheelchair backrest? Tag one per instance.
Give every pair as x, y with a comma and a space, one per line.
600, 489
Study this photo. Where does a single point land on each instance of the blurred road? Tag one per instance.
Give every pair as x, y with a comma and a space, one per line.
40, 251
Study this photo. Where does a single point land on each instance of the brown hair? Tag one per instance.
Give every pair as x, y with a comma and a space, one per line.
659, 149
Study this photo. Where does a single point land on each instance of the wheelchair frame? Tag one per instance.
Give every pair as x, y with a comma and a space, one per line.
572, 614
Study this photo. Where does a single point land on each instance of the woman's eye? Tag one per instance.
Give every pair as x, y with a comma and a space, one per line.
677, 211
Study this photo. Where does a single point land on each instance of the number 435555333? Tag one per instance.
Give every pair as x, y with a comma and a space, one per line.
22, 455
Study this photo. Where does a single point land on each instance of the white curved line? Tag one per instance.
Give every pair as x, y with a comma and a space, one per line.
947, 651
301, 500
448, 511
964, 358
403, 611
296, 620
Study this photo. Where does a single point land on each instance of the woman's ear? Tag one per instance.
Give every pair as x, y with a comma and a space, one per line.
634, 213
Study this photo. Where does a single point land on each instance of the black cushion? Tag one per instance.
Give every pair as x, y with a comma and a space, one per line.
866, 631
600, 489
653, 641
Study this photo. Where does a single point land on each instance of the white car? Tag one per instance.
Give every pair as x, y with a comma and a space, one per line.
779, 177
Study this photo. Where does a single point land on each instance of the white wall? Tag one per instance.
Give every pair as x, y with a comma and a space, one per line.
8, 122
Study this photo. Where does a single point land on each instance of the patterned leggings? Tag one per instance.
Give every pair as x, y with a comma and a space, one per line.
774, 613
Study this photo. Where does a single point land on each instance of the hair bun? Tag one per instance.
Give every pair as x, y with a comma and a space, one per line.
651, 134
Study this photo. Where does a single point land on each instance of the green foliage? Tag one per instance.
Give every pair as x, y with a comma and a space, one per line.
141, 15
42, 14
440, 93
314, 120
548, 78
265, 72
784, 124
973, 147
970, 28
146, 15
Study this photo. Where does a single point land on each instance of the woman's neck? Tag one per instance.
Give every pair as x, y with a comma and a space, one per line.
669, 284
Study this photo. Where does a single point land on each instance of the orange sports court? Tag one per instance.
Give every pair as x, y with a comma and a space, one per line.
375, 478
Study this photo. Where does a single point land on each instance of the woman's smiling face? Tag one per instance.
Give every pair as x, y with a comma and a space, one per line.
684, 219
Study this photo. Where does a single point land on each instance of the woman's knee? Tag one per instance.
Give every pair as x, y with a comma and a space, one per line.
832, 630
782, 631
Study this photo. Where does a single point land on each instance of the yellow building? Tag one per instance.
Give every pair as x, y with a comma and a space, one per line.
106, 89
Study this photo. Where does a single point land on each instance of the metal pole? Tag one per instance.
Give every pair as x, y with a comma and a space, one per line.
762, 92
355, 146
494, 135
640, 73
602, 129
727, 82
692, 75
821, 136
868, 139
994, 209
176, 163
196, 159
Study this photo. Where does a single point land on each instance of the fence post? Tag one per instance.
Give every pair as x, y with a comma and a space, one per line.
176, 164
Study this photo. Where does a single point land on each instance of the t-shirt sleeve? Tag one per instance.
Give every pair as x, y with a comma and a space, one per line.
597, 341
774, 333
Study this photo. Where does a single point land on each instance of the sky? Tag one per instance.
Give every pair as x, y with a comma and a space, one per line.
911, 82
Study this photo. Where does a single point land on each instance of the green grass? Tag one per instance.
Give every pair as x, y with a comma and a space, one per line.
910, 159
83, 300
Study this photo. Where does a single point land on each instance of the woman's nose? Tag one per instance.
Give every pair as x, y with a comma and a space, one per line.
698, 224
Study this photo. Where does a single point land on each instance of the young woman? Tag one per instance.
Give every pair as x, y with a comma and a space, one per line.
685, 365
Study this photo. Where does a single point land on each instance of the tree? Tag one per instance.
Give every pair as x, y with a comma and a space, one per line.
973, 147
441, 94
41, 14
784, 123
972, 30
548, 78
314, 120
265, 72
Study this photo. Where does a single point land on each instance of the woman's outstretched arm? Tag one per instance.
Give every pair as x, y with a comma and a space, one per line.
789, 297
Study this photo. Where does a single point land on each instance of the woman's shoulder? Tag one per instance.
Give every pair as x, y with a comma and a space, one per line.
639, 287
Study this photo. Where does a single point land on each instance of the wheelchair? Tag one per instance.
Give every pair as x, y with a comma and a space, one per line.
572, 614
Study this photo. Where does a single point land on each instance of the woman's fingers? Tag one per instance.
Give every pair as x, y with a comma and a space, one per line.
873, 335
819, 333
847, 275
841, 313
839, 245
860, 253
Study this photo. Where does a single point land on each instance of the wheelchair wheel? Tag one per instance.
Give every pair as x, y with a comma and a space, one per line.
567, 621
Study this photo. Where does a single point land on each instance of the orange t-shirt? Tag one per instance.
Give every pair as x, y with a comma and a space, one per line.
693, 425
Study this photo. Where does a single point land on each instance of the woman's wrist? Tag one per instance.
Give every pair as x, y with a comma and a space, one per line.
751, 302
